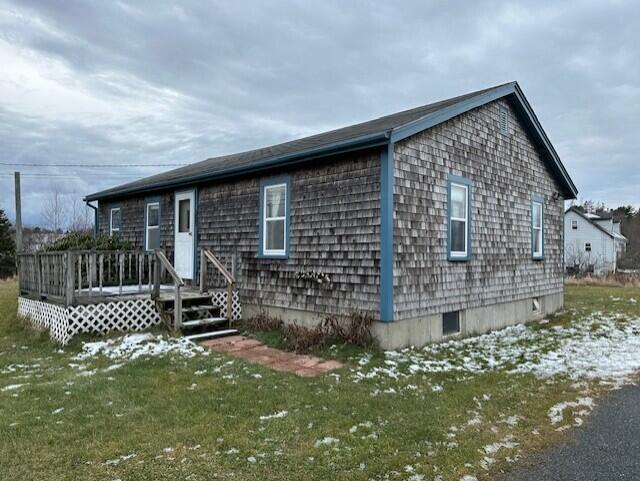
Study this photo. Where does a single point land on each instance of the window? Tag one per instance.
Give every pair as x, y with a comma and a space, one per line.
459, 219
574, 224
275, 218
503, 120
535, 306
450, 323
114, 220
587, 246
152, 233
537, 228
184, 215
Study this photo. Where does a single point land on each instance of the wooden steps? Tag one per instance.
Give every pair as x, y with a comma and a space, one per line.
201, 319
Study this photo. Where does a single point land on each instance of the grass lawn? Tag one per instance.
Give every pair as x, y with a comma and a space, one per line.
441, 413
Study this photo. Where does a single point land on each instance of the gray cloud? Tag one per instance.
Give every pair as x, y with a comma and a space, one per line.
155, 82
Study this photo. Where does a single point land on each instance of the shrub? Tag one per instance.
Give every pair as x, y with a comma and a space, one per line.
7, 248
262, 322
301, 338
86, 241
353, 329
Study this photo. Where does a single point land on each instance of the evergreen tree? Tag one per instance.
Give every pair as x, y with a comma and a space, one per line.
7, 248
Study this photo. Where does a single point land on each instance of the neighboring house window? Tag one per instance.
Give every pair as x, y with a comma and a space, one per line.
274, 207
152, 232
537, 228
459, 219
587, 246
574, 224
114, 220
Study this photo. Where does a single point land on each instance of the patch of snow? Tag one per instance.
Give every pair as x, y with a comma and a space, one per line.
555, 413
134, 346
279, 414
597, 347
116, 461
12, 387
326, 441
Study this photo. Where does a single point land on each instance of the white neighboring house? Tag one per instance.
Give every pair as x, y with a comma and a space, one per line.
592, 243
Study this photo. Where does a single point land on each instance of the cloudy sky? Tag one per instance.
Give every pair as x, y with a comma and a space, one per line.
119, 83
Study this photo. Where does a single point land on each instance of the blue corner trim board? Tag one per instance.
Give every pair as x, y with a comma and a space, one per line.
147, 201
386, 233
538, 199
285, 179
456, 179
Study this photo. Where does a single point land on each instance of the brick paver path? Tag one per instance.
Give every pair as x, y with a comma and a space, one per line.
254, 351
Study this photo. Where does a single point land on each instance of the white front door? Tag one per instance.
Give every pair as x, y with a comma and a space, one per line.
185, 223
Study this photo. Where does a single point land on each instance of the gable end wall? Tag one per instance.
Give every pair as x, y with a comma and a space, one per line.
505, 172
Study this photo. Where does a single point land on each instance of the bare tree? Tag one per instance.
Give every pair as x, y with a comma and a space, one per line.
54, 210
81, 216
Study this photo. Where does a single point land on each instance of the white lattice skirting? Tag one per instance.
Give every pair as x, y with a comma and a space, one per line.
65, 322
128, 315
219, 298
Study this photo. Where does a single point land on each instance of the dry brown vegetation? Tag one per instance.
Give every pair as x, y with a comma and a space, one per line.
620, 279
353, 329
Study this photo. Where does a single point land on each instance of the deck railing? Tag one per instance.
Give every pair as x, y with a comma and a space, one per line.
71, 277
207, 256
163, 263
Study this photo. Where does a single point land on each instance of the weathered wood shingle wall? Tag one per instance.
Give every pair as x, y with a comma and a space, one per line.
505, 171
335, 229
132, 215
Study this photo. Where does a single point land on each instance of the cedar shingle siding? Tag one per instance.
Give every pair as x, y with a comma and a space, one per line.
335, 224
335, 229
505, 170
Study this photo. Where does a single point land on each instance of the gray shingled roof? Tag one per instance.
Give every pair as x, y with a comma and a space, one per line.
591, 221
362, 135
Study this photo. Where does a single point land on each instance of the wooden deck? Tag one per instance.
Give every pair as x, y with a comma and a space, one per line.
116, 288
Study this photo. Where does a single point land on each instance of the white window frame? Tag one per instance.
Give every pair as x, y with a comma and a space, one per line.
265, 220
147, 226
574, 225
538, 231
465, 253
590, 247
111, 228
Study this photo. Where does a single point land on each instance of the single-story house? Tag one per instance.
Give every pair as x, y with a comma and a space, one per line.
592, 243
440, 220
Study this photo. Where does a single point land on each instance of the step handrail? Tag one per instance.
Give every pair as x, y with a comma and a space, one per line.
207, 255
178, 282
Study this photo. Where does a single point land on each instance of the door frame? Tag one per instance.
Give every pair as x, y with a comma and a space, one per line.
194, 193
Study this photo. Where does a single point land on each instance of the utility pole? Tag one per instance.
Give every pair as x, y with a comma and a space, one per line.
18, 214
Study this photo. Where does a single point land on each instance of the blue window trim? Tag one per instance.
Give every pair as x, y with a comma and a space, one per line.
147, 201
111, 207
264, 183
537, 199
456, 179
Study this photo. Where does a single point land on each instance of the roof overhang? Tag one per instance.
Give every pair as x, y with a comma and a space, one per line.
511, 91
359, 143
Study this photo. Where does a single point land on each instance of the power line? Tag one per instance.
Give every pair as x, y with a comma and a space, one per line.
63, 175
92, 166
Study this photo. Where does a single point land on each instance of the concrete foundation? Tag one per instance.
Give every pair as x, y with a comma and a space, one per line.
479, 320
428, 329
